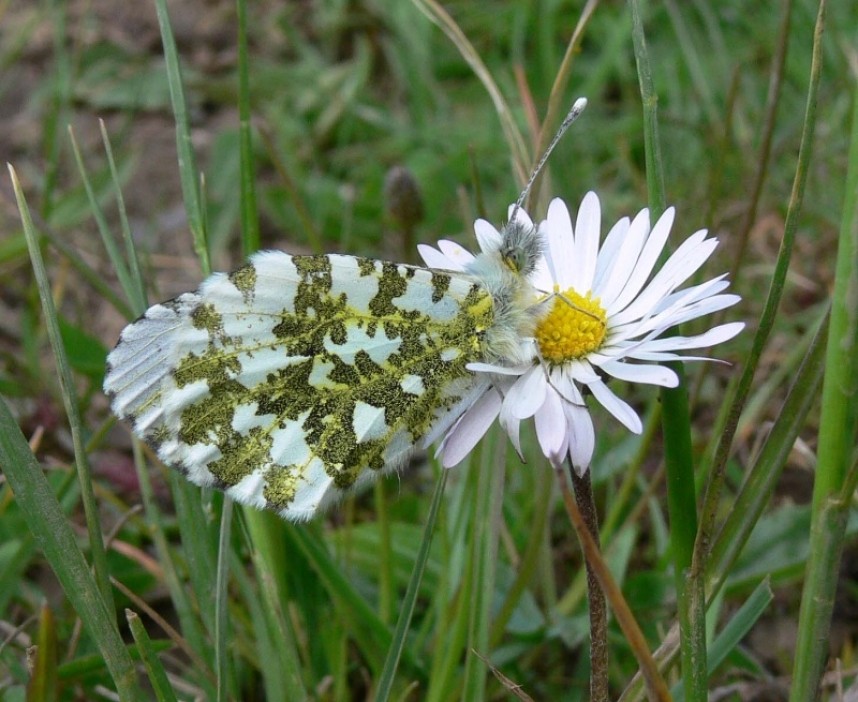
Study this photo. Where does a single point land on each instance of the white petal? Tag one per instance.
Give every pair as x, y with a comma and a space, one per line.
610, 354
520, 215
564, 449
622, 334
643, 353
528, 394
470, 428
541, 278
618, 352
679, 313
582, 371
435, 259
665, 357
655, 242
677, 307
562, 382
550, 423
488, 237
456, 253
560, 243
701, 308
511, 426
635, 373
620, 269
661, 350
608, 252
478, 367
645, 263
582, 437
644, 266
621, 409
722, 333
587, 233
709, 338
685, 261
696, 292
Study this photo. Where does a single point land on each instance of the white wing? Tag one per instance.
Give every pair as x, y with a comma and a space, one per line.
295, 378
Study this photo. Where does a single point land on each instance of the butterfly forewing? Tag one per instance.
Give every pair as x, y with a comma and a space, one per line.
295, 378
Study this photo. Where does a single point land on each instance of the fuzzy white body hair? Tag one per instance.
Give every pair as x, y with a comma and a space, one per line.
503, 272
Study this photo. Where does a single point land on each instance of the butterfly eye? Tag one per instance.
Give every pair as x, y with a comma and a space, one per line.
514, 259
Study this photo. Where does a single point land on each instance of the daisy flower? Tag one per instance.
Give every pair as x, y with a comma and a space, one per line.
599, 313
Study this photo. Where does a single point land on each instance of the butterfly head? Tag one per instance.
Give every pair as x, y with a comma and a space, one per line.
521, 247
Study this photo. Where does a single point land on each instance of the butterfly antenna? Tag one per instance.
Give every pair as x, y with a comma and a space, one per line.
573, 114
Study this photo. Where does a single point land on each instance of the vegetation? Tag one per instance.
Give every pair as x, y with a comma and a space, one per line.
226, 128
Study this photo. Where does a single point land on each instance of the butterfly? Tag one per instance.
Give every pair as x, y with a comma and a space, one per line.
296, 379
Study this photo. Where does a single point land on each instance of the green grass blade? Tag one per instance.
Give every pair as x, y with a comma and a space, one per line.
485, 531
87, 272
247, 196
734, 631
738, 392
557, 100
406, 608
760, 482
527, 568
70, 401
57, 114
371, 635
56, 540
649, 99
756, 491
386, 587
768, 316
137, 292
43, 676
270, 561
221, 630
740, 624
767, 130
817, 602
187, 163
192, 628
838, 412
266, 640
454, 620
515, 143
676, 421
14, 566
157, 675
200, 545
837, 429
200, 666
198, 537
692, 59
122, 272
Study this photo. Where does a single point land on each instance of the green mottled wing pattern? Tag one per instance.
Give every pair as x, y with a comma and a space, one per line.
296, 378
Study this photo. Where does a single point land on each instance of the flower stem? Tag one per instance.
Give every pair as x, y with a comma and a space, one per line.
583, 487
655, 683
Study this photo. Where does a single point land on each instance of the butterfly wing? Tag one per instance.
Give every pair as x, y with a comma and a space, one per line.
295, 378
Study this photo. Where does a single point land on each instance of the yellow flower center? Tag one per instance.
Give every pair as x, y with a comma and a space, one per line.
574, 327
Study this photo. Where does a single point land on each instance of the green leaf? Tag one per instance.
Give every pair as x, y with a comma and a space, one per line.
86, 354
